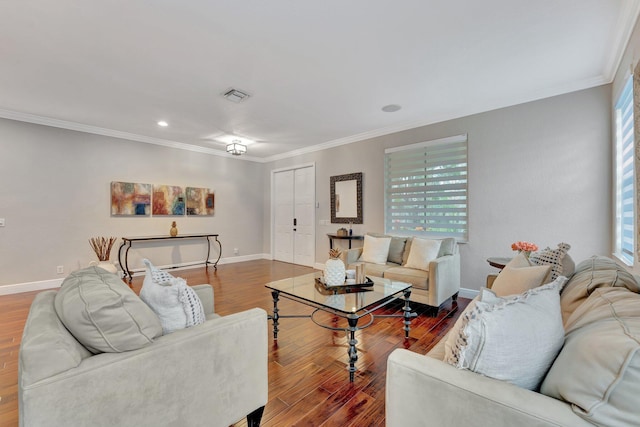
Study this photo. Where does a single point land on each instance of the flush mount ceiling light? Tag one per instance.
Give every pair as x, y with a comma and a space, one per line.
391, 108
236, 148
235, 95
163, 124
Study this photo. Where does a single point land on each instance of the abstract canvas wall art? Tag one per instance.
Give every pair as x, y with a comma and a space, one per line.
199, 201
168, 200
130, 199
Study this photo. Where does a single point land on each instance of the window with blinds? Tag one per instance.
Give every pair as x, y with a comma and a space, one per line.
625, 217
426, 189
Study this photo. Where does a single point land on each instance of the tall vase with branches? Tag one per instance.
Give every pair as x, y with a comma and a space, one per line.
102, 247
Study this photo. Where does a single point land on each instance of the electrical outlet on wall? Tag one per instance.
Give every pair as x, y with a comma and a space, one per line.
60, 269
236, 251
1, 222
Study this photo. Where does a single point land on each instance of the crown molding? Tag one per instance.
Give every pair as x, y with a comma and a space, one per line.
79, 127
400, 127
626, 23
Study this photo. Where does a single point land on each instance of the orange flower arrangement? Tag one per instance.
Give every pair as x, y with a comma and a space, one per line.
526, 247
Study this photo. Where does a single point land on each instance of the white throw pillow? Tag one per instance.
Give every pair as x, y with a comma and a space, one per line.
422, 252
175, 303
375, 249
519, 276
514, 339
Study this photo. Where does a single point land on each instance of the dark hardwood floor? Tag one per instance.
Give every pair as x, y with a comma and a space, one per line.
308, 379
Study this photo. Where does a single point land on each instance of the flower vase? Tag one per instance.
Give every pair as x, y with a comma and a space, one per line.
334, 272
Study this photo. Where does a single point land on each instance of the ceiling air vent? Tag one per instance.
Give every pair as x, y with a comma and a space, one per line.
235, 95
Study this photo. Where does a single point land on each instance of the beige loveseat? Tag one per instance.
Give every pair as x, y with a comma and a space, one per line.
594, 380
212, 374
432, 286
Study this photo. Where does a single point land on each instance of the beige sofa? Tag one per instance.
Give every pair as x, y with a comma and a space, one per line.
212, 374
431, 287
594, 380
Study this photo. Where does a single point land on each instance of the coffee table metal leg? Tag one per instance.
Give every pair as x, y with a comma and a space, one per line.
276, 316
353, 352
408, 315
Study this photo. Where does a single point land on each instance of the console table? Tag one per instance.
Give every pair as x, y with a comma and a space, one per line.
349, 238
128, 242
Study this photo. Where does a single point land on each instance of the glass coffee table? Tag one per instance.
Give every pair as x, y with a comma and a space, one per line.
351, 302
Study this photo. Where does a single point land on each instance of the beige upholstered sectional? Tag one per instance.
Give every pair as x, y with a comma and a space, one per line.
594, 380
432, 286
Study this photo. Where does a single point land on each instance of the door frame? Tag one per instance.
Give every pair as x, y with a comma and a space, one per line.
272, 220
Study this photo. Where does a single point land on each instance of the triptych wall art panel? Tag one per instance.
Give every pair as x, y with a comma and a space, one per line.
135, 199
130, 199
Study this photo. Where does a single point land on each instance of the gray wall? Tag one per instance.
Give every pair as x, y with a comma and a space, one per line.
55, 195
540, 172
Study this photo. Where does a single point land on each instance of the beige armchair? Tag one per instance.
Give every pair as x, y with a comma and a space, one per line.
213, 374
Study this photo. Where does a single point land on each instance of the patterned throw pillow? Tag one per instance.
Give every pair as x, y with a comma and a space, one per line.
174, 302
496, 336
560, 262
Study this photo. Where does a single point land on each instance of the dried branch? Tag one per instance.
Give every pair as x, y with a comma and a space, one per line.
102, 246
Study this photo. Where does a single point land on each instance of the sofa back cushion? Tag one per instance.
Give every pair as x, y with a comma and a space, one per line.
448, 246
598, 369
47, 348
375, 249
103, 313
519, 276
591, 274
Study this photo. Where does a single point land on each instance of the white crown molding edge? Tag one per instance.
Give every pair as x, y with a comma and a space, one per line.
626, 23
79, 127
555, 91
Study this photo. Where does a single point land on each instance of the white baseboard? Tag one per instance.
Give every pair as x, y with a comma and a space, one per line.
55, 283
468, 293
30, 286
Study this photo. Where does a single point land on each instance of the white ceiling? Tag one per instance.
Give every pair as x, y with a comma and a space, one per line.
318, 72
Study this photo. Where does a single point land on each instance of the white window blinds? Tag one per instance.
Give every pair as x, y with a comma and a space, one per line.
625, 218
426, 188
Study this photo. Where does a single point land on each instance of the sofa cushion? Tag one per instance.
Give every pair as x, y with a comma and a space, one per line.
598, 369
559, 260
375, 249
422, 252
519, 276
498, 335
103, 313
47, 347
591, 274
396, 249
419, 279
174, 302
447, 247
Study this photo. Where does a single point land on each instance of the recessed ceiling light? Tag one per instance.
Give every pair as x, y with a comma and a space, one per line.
163, 123
391, 108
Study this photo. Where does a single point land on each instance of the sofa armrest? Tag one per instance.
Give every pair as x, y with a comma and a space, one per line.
351, 256
213, 371
444, 278
422, 388
205, 293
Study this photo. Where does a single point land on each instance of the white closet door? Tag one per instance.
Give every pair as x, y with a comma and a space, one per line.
283, 210
294, 215
304, 216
